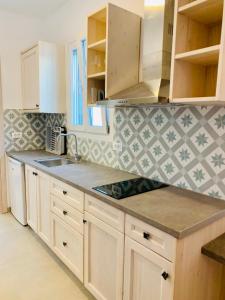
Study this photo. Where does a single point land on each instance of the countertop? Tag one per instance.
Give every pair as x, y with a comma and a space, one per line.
175, 211
216, 249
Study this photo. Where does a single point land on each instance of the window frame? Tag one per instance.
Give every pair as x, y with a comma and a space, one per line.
86, 127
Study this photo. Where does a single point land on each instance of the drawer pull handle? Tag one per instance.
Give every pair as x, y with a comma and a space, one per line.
64, 192
165, 275
35, 174
146, 235
84, 221
64, 244
65, 212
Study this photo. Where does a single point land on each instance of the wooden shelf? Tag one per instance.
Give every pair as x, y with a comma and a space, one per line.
98, 76
203, 11
109, 55
205, 56
98, 46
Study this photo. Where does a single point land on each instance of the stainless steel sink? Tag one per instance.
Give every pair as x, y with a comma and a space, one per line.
55, 162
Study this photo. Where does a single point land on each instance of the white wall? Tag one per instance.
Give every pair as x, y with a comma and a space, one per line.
17, 33
70, 22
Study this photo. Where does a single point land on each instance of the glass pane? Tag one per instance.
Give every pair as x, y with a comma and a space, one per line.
95, 116
76, 85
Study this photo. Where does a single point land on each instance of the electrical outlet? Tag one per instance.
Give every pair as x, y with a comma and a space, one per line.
117, 146
16, 135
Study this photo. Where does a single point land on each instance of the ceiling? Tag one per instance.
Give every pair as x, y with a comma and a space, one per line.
34, 8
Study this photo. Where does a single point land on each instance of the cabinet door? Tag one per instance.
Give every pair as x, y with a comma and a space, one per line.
31, 197
103, 259
67, 243
143, 274
43, 193
30, 79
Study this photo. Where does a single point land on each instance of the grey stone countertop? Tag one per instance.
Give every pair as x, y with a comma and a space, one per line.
173, 210
216, 249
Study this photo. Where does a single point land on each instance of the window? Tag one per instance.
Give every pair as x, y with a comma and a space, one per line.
77, 96
93, 119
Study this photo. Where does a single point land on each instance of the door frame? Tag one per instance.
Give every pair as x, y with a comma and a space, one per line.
3, 183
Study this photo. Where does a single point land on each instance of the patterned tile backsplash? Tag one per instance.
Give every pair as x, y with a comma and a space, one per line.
181, 146
33, 128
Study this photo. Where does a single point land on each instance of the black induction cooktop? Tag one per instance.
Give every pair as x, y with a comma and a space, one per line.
128, 188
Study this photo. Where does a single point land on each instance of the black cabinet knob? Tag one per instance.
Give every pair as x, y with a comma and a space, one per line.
84, 221
165, 275
65, 212
35, 174
64, 192
64, 244
146, 235
37, 105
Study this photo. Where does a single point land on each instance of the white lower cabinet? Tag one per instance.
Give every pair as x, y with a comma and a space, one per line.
135, 265
43, 196
31, 197
147, 275
38, 202
103, 259
67, 243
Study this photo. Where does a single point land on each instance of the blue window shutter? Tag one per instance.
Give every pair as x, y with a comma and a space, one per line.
77, 95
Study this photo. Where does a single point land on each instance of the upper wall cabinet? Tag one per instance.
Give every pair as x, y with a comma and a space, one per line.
198, 59
113, 52
43, 78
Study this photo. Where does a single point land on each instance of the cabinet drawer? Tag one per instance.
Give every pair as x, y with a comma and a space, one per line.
151, 237
105, 212
70, 195
67, 243
67, 213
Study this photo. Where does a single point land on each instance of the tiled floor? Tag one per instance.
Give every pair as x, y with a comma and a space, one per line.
29, 270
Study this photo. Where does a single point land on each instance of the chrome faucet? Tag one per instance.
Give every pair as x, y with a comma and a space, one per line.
77, 157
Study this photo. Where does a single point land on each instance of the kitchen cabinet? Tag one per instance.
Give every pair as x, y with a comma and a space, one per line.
31, 197
43, 202
103, 249
103, 259
117, 255
147, 275
43, 78
113, 53
67, 227
67, 243
198, 60
38, 202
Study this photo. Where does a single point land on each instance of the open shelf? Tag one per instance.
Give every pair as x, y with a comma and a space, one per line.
98, 46
98, 76
197, 56
194, 80
113, 42
193, 35
205, 56
97, 26
96, 61
203, 11
93, 87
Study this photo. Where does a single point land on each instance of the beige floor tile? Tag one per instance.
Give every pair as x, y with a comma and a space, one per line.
29, 270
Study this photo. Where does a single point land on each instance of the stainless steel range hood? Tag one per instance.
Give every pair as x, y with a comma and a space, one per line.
155, 58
